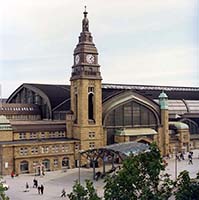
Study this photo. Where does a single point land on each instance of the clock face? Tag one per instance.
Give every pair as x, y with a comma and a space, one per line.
90, 58
77, 58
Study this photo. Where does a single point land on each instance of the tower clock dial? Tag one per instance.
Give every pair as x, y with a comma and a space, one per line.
90, 58
77, 58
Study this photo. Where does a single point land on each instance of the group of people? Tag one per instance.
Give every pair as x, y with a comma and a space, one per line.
35, 185
180, 157
40, 188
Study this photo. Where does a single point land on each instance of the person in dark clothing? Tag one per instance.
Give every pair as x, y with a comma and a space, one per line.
42, 189
63, 193
35, 183
39, 189
190, 158
27, 187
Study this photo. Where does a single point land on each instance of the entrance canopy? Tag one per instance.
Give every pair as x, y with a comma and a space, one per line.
120, 150
128, 148
111, 154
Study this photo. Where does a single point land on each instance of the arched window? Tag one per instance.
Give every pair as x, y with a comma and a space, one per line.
24, 167
90, 106
65, 162
76, 108
129, 115
46, 164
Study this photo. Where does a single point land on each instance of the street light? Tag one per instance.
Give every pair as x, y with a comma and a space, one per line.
79, 165
176, 163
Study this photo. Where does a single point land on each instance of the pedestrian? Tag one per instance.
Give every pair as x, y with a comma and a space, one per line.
190, 158
39, 189
181, 156
63, 193
190, 161
42, 189
12, 174
34, 183
27, 187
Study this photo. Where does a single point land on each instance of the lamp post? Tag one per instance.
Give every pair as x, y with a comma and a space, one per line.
176, 163
79, 165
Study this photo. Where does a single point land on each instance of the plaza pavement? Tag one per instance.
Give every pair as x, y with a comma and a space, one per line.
54, 182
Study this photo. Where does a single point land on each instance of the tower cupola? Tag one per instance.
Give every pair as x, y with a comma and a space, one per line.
85, 55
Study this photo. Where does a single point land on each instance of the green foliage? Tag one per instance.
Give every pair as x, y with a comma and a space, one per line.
187, 189
83, 193
2, 191
140, 179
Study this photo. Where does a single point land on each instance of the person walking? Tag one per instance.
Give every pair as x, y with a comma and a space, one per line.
63, 193
35, 183
27, 187
12, 174
42, 189
39, 189
190, 159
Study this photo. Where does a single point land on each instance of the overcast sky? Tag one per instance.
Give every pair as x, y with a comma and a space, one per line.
151, 42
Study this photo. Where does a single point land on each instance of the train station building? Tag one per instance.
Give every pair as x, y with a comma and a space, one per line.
43, 127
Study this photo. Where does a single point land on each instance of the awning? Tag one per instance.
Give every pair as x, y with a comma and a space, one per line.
136, 131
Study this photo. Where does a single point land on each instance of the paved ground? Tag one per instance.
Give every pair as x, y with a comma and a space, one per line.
54, 182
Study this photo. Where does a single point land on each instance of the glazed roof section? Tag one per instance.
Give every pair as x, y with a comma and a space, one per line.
152, 91
128, 148
56, 93
59, 95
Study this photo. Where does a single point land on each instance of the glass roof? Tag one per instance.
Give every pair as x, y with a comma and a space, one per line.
127, 148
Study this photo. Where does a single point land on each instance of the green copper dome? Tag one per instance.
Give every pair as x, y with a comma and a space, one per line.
163, 99
179, 125
163, 95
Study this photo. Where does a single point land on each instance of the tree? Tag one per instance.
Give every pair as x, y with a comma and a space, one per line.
140, 178
2, 193
83, 193
186, 188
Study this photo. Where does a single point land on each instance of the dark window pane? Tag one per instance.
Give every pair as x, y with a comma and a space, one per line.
127, 114
119, 116
136, 114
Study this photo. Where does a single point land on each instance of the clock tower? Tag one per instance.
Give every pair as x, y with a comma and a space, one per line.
86, 91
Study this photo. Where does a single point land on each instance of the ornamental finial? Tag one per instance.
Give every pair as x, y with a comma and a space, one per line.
85, 21
85, 12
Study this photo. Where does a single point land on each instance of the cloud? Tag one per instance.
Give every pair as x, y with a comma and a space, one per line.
138, 41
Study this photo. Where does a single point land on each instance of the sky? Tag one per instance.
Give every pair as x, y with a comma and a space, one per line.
139, 42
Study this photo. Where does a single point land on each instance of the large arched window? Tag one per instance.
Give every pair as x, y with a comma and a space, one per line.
129, 115
24, 167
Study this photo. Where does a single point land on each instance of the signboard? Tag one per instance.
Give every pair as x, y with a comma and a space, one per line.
6, 165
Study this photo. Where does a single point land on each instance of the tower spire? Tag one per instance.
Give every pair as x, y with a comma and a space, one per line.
85, 22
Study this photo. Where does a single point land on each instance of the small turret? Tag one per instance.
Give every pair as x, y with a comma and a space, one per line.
163, 99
